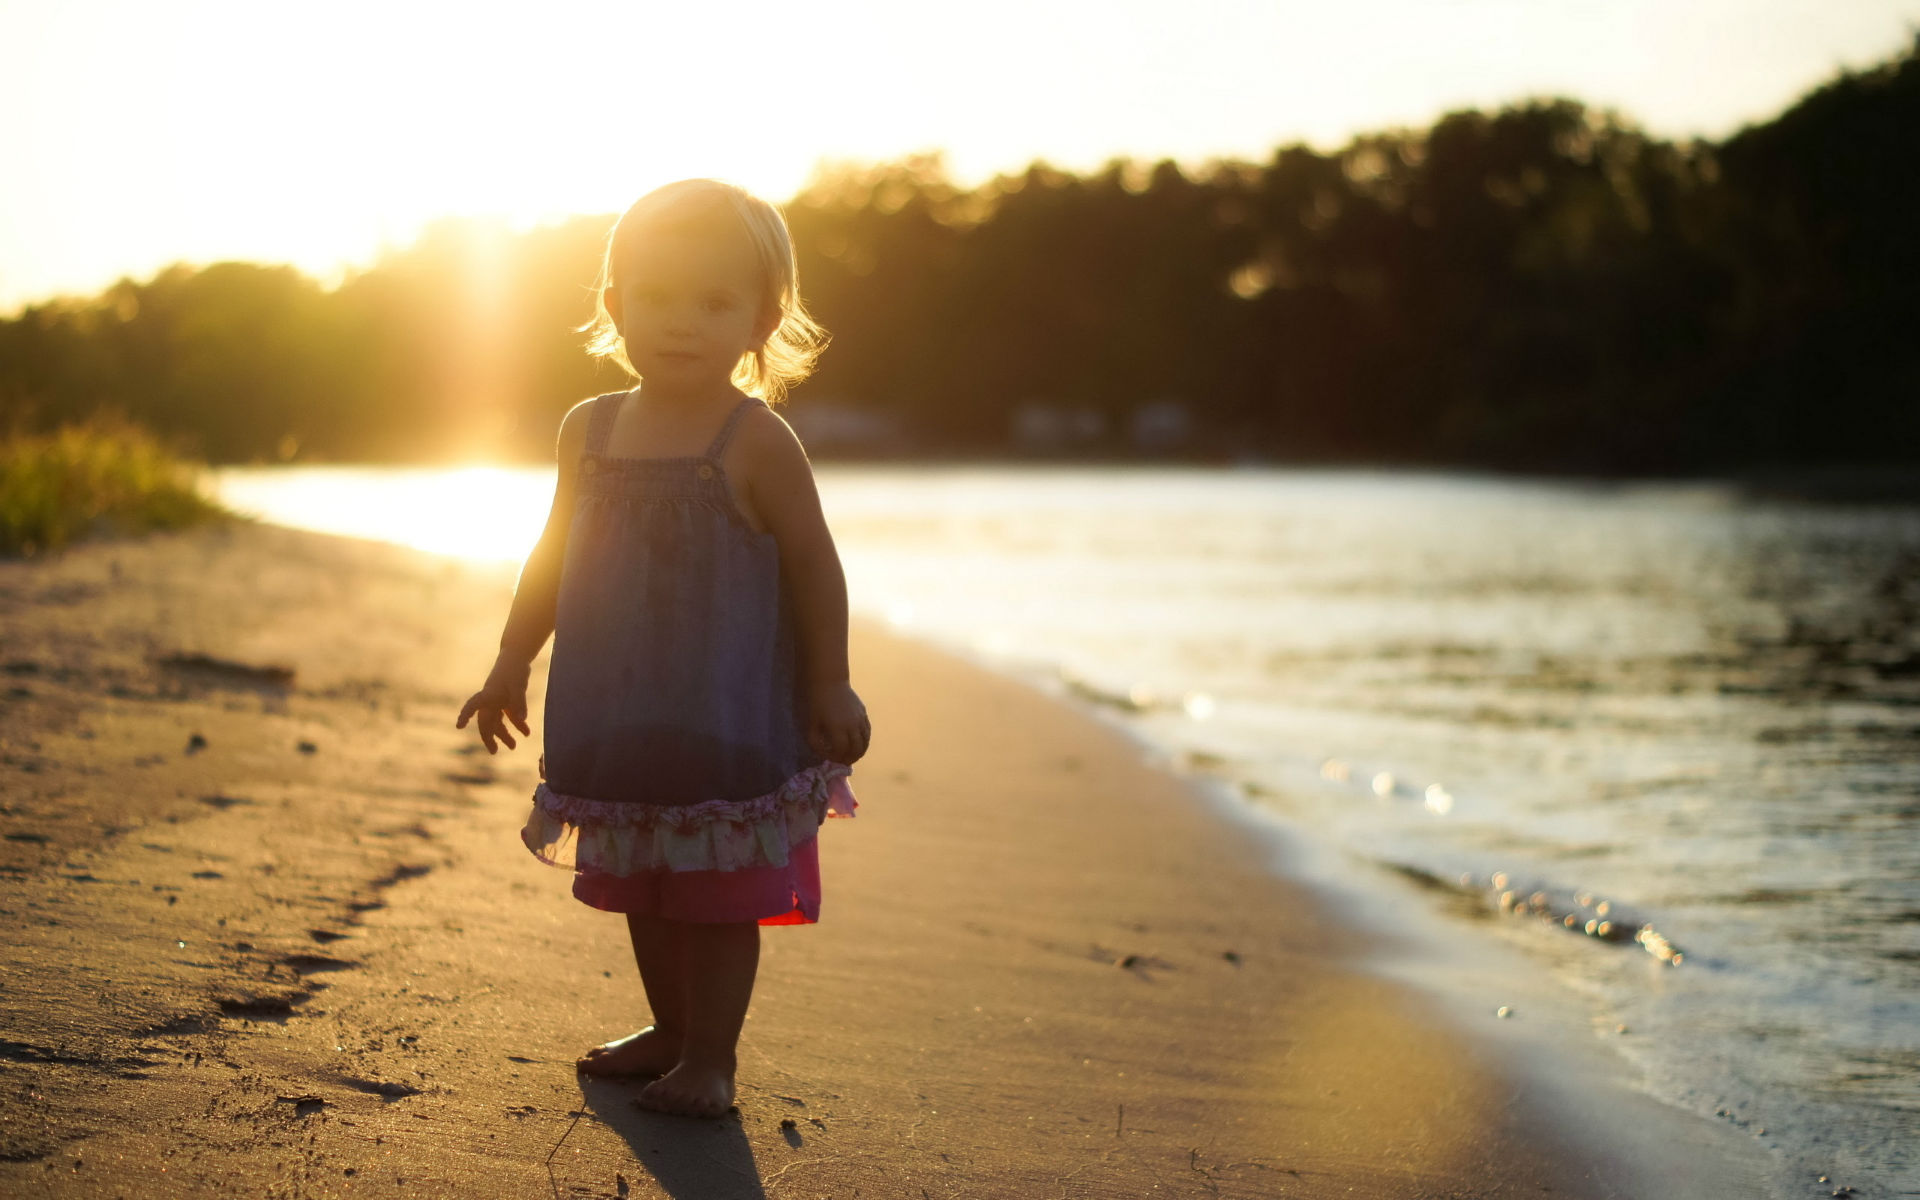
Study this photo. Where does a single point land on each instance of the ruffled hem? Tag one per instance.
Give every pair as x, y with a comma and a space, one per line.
576, 832
788, 895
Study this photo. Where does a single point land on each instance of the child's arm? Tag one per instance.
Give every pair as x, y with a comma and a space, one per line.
503, 697
779, 481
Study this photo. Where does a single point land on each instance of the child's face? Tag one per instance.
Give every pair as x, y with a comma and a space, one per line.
688, 306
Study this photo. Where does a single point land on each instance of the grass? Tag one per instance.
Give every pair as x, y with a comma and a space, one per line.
105, 477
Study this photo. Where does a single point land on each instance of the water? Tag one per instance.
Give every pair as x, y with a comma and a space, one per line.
1561, 714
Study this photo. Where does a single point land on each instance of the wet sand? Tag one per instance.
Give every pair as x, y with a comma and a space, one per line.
276, 936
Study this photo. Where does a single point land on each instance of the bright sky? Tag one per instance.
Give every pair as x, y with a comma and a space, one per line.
142, 133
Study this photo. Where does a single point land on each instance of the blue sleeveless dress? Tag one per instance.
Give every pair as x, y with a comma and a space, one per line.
677, 780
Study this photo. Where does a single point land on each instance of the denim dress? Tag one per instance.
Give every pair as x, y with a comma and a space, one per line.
677, 780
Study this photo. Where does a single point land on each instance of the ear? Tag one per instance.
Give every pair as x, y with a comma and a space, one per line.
763, 329
610, 300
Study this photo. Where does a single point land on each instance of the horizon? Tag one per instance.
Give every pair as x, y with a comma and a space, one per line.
327, 169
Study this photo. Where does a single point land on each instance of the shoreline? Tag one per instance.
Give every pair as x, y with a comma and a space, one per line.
1041, 964
1560, 1048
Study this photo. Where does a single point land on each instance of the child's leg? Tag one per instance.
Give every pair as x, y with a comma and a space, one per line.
660, 952
720, 963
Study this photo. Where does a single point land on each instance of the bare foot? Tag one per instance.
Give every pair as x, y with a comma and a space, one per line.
652, 1051
691, 1089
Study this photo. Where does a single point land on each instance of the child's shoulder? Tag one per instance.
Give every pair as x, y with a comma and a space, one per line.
772, 464
764, 433
581, 410
573, 426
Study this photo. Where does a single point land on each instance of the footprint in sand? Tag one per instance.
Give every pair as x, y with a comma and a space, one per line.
309, 964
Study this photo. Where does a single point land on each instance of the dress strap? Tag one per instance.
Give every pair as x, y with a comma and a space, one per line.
600, 421
725, 435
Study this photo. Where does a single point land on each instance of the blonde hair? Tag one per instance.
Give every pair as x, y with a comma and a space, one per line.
788, 354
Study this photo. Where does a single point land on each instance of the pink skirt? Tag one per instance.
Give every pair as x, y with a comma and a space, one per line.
788, 895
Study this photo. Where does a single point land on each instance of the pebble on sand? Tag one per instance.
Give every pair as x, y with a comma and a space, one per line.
1503, 1012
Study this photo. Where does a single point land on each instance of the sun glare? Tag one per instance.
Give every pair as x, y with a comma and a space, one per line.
488, 514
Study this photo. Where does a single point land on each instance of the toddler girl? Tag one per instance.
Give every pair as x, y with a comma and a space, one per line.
699, 719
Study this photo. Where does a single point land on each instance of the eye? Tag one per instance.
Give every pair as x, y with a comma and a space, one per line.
717, 304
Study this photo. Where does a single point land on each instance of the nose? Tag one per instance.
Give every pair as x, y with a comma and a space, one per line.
680, 317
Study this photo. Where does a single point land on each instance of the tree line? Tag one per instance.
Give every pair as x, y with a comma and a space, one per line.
1543, 287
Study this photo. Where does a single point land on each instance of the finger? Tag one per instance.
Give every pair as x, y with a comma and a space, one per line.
520, 719
466, 712
508, 738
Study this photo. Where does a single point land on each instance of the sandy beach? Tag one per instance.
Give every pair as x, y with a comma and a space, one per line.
270, 932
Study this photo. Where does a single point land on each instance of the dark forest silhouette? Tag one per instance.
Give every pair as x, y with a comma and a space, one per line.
1545, 287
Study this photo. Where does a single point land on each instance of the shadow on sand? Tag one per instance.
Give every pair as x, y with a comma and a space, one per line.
691, 1159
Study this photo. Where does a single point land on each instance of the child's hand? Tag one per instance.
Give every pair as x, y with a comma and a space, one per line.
503, 698
839, 730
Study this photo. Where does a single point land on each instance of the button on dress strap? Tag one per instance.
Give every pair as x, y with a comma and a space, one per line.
726, 431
